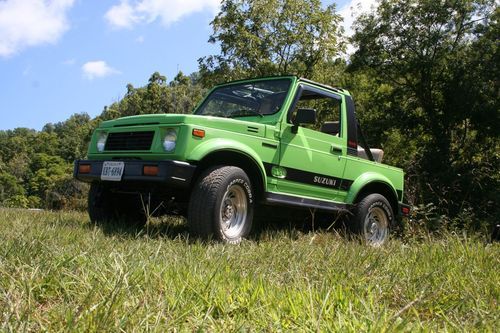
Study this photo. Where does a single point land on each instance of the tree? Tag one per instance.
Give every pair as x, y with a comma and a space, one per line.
259, 38
15, 142
35, 166
423, 56
179, 96
9, 186
46, 172
183, 94
73, 136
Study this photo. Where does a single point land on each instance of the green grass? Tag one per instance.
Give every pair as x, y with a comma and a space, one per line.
59, 273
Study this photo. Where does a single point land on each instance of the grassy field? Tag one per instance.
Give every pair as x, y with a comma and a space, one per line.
59, 273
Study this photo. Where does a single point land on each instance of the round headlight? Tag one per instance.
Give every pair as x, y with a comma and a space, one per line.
169, 140
101, 141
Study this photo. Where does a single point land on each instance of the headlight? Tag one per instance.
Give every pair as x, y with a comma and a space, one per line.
169, 140
101, 141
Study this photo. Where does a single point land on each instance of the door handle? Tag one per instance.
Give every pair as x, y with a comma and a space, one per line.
336, 149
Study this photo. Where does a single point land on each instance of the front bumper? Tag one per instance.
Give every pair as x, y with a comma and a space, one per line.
172, 173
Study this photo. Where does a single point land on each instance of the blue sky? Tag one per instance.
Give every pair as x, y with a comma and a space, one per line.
59, 57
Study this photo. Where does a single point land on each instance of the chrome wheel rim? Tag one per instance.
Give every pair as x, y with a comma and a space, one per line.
233, 211
376, 226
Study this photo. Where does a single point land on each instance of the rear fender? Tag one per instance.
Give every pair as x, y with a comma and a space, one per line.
366, 179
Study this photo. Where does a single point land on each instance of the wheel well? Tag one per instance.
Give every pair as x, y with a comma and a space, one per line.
380, 188
236, 159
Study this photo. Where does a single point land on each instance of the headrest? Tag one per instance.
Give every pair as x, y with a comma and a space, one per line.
330, 127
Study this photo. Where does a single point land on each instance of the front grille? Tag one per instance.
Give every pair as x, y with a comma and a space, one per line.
129, 141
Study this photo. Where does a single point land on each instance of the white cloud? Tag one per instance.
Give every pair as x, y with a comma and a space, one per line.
25, 23
351, 11
97, 69
127, 13
122, 15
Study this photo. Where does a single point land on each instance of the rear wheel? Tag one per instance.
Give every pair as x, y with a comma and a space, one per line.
104, 206
373, 219
221, 205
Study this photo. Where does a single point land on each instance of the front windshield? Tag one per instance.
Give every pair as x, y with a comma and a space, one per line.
246, 99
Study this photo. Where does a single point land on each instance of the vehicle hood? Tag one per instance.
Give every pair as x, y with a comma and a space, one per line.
177, 119
146, 119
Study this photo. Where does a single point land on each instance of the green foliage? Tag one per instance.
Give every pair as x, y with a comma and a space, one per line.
36, 166
16, 201
48, 170
15, 149
67, 193
179, 96
260, 38
429, 70
9, 186
61, 274
72, 136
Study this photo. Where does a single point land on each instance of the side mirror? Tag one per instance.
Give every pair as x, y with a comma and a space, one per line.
305, 116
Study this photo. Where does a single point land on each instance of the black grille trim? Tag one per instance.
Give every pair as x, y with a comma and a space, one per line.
138, 124
129, 141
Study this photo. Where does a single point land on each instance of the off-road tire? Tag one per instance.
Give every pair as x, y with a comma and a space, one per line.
220, 194
372, 219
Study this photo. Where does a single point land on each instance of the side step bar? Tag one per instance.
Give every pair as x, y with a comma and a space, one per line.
290, 200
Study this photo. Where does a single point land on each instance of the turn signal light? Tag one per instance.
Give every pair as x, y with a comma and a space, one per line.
150, 170
84, 168
199, 133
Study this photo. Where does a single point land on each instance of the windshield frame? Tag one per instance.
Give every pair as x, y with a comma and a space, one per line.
252, 113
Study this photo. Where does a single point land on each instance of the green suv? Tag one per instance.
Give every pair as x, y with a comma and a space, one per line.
275, 141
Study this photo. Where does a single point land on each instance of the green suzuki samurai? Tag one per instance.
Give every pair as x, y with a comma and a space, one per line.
275, 141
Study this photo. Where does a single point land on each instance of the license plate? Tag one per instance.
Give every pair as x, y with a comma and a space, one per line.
112, 171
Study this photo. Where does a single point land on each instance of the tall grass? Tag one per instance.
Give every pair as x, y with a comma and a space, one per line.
59, 273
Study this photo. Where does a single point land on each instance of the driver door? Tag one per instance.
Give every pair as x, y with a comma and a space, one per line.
312, 155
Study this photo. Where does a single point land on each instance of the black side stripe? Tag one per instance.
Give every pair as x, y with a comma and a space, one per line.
312, 178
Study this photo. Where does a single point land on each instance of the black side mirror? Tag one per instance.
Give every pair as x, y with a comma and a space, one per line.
305, 116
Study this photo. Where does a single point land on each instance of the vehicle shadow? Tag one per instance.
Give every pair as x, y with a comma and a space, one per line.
294, 223
290, 224
165, 227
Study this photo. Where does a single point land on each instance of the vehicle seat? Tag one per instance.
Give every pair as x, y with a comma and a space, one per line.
330, 127
378, 154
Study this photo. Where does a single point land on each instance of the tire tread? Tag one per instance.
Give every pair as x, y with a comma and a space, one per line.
204, 194
356, 224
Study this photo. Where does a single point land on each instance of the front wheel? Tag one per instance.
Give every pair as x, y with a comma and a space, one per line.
373, 219
221, 205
